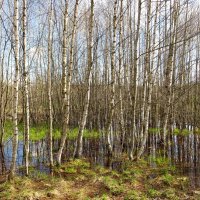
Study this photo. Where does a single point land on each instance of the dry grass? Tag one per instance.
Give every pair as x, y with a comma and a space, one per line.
76, 180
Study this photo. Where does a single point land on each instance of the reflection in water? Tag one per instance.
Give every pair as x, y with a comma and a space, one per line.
184, 152
2, 161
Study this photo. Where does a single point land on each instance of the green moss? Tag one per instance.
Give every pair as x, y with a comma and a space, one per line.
56, 134
160, 161
101, 170
103, 197
134, 195
127, 175
153, 193
38, 133
88, 172
6, 190
41, 176
113, 185
76, 166
154, 130
176, 131
80, 181
170, 194
70, 170
72, 134
167, 169
8, 129
185, 132
167, 179
80, 163
89, 134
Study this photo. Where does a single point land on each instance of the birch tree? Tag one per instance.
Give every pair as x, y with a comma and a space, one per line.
113, 77
16, 88
69, 78
169, 71
49, 67
26, 92
88, 84
122, 123
134, 75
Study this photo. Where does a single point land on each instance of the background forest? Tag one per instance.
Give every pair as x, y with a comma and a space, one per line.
99, 79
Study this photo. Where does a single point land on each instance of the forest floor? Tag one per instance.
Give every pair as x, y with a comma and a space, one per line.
78, 180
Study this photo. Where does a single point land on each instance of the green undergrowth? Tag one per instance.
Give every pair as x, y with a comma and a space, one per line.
73, 133
79, 179
40, 132
182, 132
8, 129
176, 131
136, 180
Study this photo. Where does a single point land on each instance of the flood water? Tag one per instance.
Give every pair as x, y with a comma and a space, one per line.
95, 150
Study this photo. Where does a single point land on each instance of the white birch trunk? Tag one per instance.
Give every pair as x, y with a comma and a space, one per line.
26, 92
68, 85
50, 85
88, 84
134, 81
16, 88
112, 95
